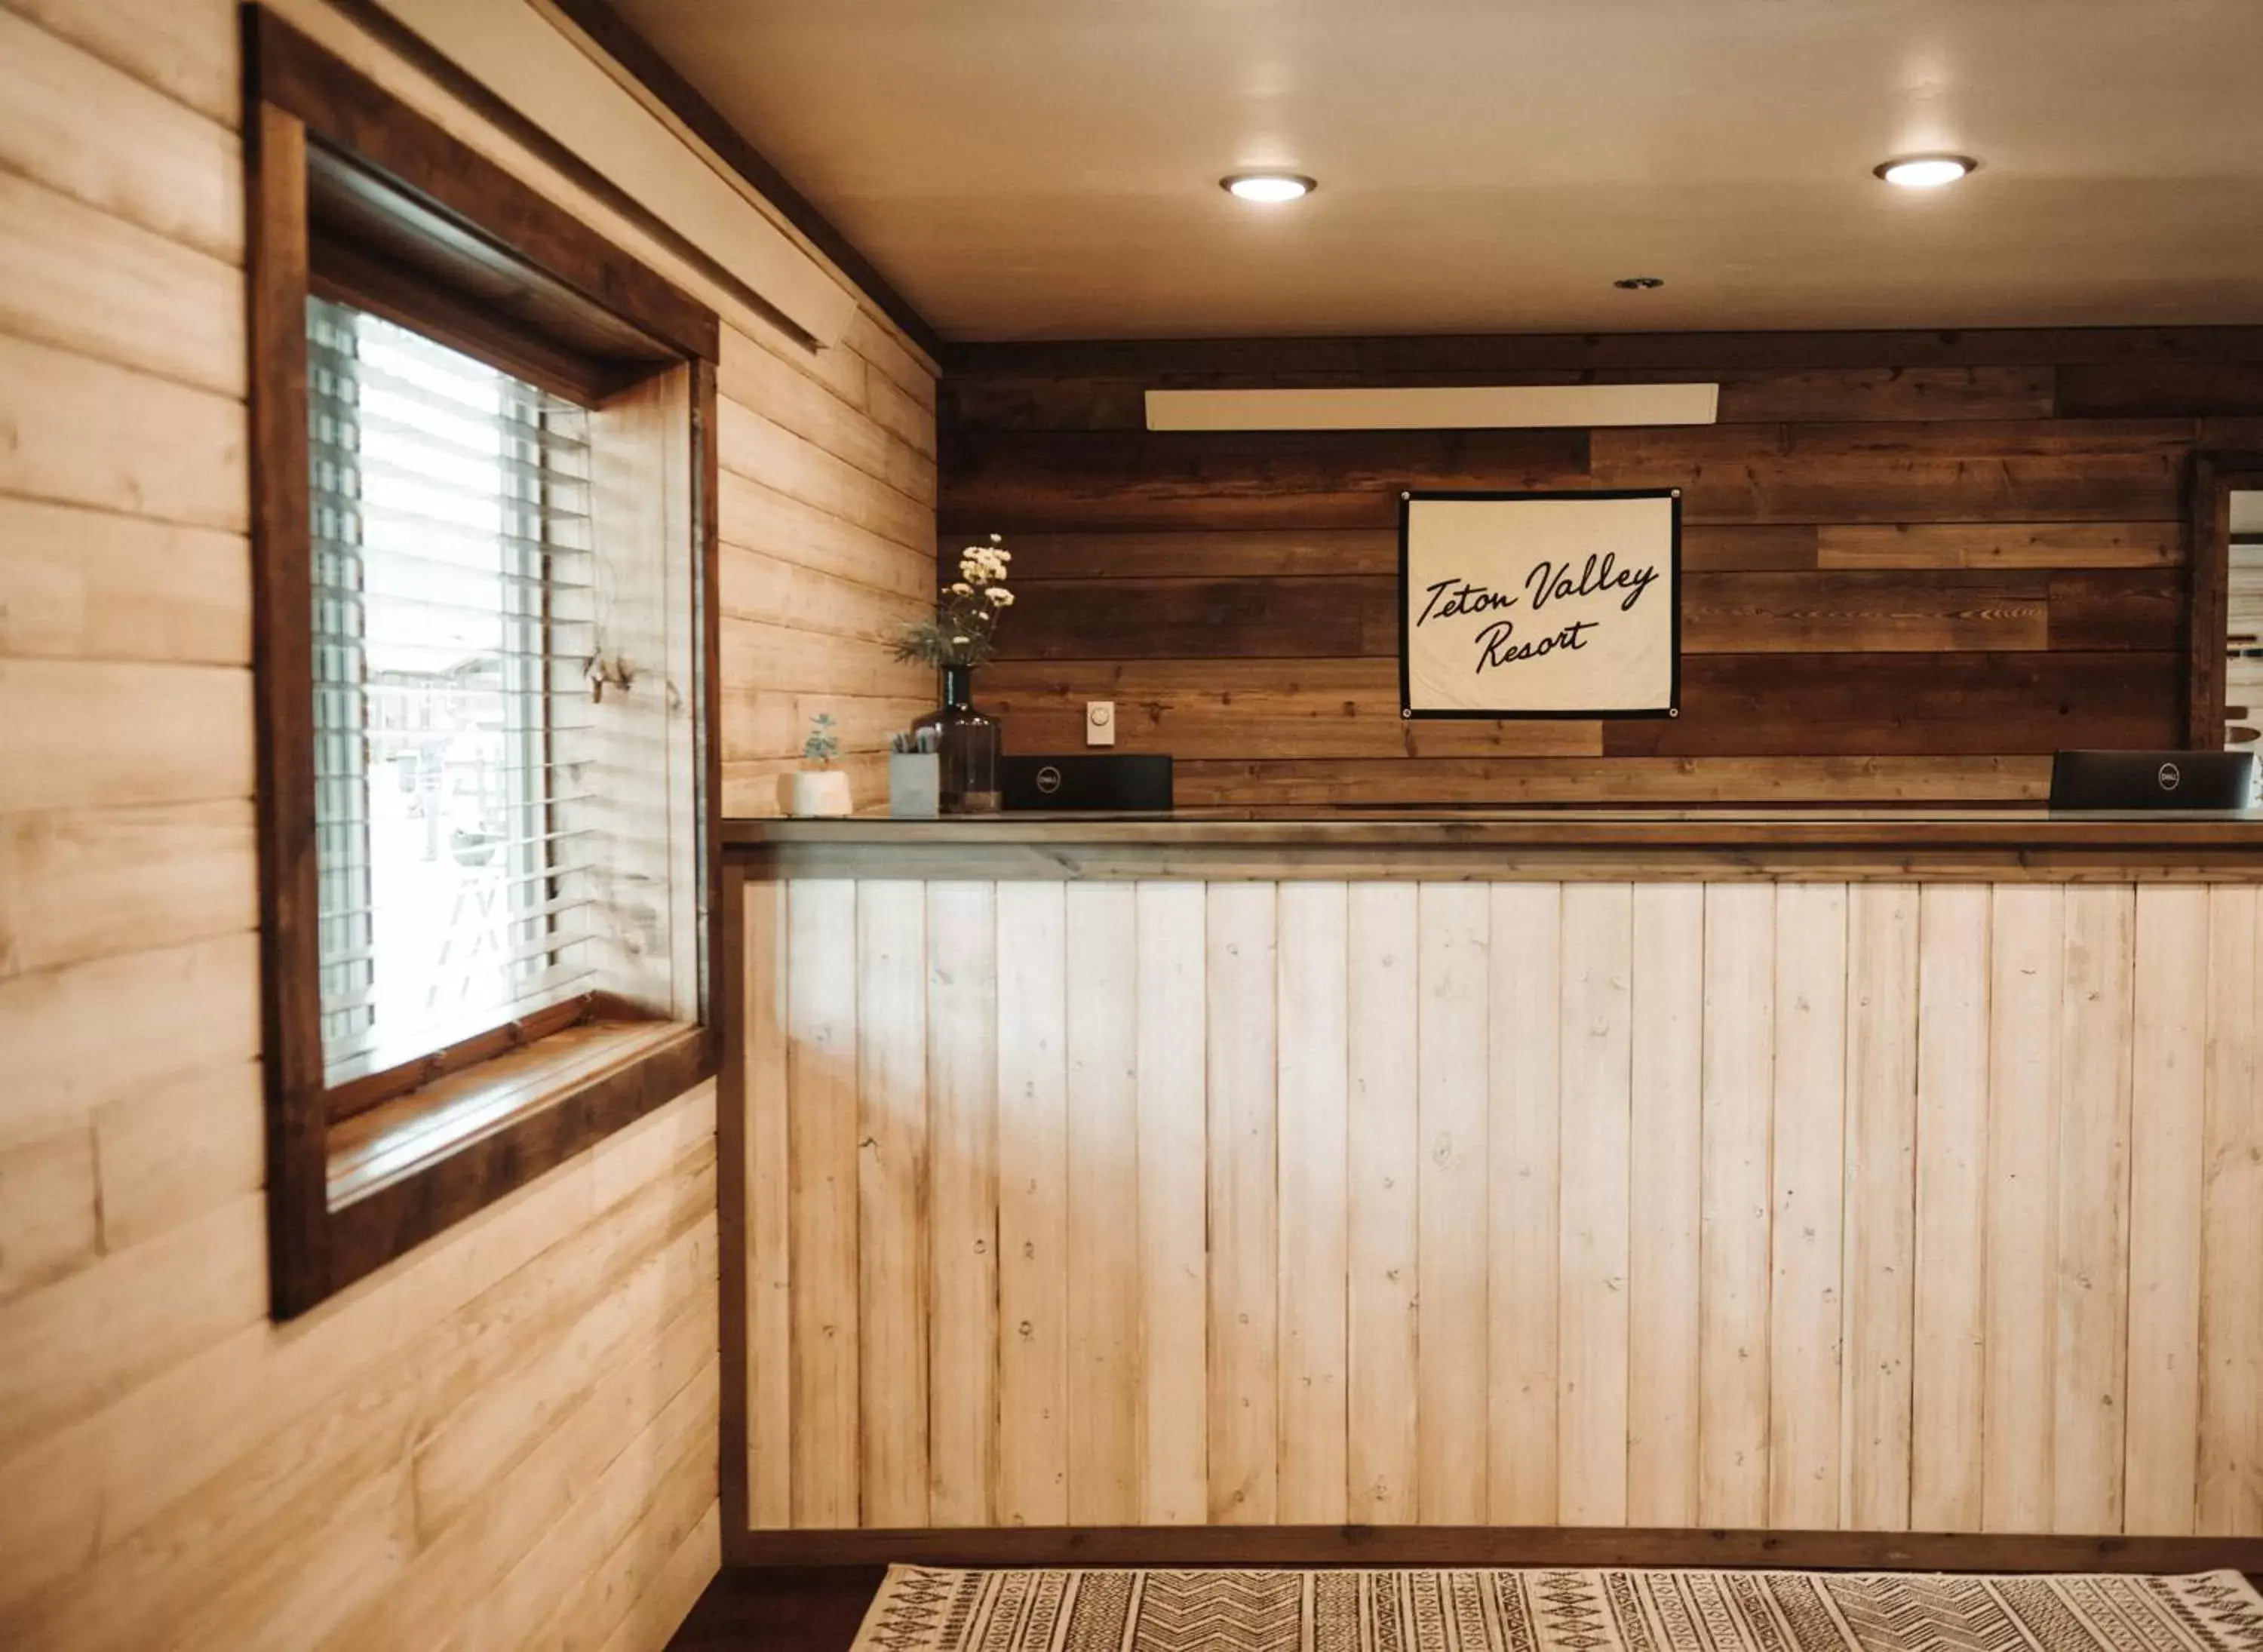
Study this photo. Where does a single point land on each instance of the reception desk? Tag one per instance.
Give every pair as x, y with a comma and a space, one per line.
1774, 1186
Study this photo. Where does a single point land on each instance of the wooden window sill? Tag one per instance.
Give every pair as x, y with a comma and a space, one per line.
404, 1170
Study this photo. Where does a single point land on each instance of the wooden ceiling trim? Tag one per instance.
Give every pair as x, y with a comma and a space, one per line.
2175, 348
597, 19
468, 90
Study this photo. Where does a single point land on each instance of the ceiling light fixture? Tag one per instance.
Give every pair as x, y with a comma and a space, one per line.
1924, 172
1270, 188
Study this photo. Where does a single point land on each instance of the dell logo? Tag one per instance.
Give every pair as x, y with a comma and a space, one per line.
2169, 775
1048, 779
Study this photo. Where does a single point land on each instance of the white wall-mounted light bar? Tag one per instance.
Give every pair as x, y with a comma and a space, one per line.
1435, 407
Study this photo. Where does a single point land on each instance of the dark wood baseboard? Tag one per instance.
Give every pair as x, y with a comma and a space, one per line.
1497, 1546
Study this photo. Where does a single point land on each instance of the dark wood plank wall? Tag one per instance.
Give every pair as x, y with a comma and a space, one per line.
1916, 563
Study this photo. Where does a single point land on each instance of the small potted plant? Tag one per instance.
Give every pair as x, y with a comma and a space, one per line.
821, 789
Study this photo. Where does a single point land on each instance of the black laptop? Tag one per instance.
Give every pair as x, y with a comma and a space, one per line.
2153, 780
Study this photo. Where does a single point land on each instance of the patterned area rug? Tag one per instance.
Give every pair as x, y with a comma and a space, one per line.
921, 1609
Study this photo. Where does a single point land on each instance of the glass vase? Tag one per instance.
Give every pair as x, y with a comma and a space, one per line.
968, 744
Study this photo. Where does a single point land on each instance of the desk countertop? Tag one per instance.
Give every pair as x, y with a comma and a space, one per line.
1708, 844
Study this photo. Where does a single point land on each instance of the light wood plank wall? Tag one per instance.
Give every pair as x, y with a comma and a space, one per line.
828, 523
1805, 1206
510, 1435
825, 509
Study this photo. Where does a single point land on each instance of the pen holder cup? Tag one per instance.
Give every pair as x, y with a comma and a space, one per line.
914, 784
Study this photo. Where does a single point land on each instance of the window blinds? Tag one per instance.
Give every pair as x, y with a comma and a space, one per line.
2243, 677
454, 628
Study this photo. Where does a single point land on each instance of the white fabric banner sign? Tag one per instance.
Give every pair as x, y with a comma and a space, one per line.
1525, 604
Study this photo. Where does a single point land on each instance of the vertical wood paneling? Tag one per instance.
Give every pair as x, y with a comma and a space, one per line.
2168, 1048
1525, 1074
1808, 1206
2096, 990
2232, 1275
1881, 1202
1104, 1205
1947, 1374
1807, 1233
1735, 1197
1382, 1043
1032, 1213
1244, 1232
821, 1083
1453, 1051
1664, 1153
962, 1049
1173, 1160
1315, 1007
1592, 1305
769, 1207
2022, 1242
890, 1200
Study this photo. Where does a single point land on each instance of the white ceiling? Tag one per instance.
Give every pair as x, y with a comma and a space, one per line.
1029, 169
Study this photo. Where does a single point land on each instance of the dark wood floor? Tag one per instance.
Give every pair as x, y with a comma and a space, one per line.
780, 1609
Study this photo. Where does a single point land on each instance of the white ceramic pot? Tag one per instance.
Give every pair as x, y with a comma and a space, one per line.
810, 792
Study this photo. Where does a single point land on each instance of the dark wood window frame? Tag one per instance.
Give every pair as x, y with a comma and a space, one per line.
2216, 476
351, 194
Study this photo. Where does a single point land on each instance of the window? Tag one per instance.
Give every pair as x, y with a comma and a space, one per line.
483, 475
2225, 703
2242, 668
454, 634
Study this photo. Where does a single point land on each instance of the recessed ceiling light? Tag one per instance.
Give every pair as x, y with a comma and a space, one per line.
1924, 172
1271, 188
